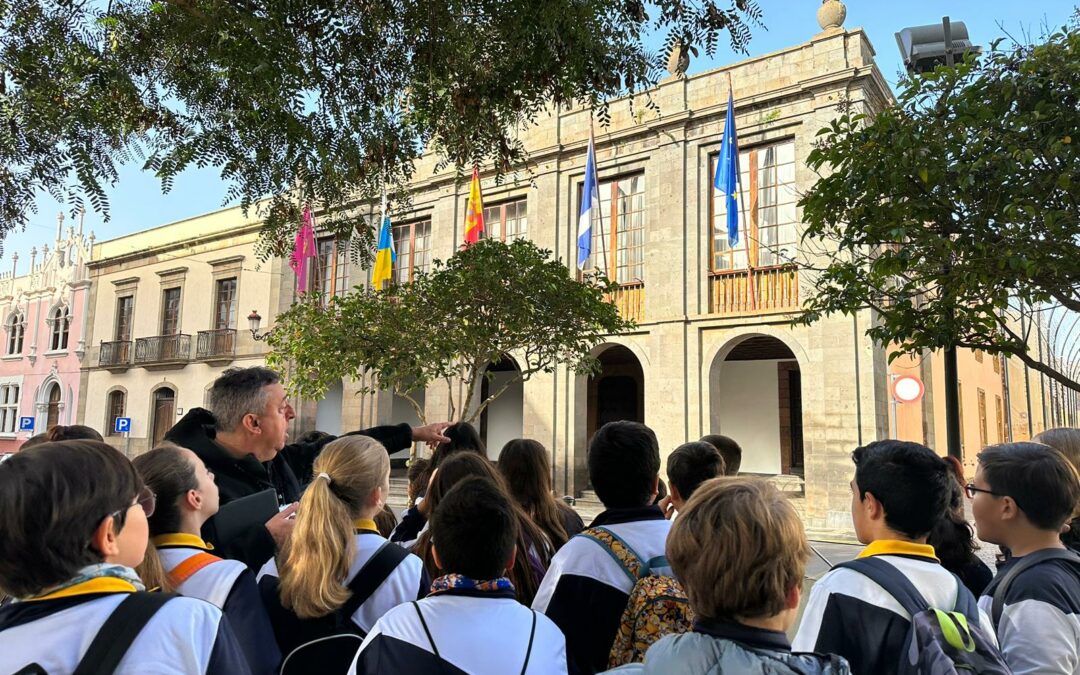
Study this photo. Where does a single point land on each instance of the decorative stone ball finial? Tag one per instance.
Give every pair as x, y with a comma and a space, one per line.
831, 15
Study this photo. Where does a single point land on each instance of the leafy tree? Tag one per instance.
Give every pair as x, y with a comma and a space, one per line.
954, 214
487, 301
331, 99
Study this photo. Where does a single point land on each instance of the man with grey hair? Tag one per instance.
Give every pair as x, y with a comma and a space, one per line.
243, 440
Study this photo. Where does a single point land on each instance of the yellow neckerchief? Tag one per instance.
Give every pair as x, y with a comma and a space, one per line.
88, 587
182, 539
896, 547
367, 524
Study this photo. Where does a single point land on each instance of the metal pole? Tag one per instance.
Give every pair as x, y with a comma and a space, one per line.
947, 27
1042, 377
858, 392
1027, 374
952, 403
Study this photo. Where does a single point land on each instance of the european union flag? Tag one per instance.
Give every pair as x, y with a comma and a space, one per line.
727, 173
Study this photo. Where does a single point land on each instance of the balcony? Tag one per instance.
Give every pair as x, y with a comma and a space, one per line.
762, 291
630, 300
115, 355
164, 351
216, 345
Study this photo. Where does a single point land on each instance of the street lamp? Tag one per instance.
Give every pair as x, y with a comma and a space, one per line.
924, 48
254, 320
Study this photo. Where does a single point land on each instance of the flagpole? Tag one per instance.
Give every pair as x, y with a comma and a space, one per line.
599, 208
750, 288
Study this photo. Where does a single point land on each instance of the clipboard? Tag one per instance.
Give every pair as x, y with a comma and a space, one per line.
241, 515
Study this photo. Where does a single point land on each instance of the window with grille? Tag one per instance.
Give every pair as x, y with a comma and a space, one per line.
507, 221
768, 223
115, 406
9, 408
618, 246
170, 311
330, 268
412, 242
225, 304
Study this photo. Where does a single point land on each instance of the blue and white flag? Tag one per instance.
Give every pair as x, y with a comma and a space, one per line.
590, 205
727, 173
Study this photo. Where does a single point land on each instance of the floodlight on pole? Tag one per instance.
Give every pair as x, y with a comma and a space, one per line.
924, 48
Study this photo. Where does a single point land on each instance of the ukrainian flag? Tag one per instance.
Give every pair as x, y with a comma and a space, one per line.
385, 256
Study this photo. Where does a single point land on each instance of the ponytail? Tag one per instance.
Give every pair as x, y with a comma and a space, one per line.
316, 560
152, 571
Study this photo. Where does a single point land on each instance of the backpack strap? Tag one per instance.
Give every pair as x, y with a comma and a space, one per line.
892, 580
532, 635
999, 589
628, 559
427, 631
187, 569
118, 632
375, 571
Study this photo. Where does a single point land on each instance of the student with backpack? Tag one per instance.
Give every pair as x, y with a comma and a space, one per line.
186, 498
1022, 495
744, 597
74, 521
471, 622
688, 466
871, 609
589, 584
337, 574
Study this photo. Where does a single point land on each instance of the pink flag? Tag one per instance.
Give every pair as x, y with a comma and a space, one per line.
303, 248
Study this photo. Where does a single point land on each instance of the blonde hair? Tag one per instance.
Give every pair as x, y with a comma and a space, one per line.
738, 547
152, 571
315, 562
1063, 439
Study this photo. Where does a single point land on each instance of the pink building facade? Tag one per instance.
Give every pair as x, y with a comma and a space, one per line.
42, 339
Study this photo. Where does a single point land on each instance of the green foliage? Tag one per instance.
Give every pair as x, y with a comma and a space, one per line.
329, 98
487, 301
954, 209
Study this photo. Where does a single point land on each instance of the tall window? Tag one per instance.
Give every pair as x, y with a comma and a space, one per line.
982, 418
124, 306
52, 417
997, 363
164, 412
960, 401
1000, 409
618, 246
506, 222
115, 406
15, 331
225, 304
60, 319
412, 241
9, 408
170, 311
767, 216
978, 356
330, 268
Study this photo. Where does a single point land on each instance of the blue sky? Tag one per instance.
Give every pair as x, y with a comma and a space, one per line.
137, 202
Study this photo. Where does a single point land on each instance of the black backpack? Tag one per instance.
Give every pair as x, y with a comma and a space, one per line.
339, 638
115, 636
939, 642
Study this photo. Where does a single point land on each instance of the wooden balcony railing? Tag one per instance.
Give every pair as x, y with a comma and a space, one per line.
630, 299
163, 349
115, 354
216, 344
764, 290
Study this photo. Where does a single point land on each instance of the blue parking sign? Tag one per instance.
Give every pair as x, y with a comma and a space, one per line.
122, 425
26, 424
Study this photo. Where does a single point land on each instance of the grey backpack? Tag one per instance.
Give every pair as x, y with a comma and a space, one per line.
939, 642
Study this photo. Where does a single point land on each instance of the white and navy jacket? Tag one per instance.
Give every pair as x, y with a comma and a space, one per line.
1039, 629
850, 615
407, 582
228, 585
185, 637
585, 589
475, 632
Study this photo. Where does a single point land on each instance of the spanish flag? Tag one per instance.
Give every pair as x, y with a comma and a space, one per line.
474, 212
385, 255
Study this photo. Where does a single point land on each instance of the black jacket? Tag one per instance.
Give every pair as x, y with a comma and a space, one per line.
238, 478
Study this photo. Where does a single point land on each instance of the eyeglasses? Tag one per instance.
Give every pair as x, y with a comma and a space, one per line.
971, 490
145, 498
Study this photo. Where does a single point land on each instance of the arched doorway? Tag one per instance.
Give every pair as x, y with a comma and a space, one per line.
617, 392
164, 413
503, 419
328, 410
756, 399
52, 417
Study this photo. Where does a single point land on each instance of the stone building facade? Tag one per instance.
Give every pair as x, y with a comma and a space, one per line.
44, 335
167, 314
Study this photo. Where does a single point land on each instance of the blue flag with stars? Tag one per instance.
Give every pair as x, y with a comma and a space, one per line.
727, 173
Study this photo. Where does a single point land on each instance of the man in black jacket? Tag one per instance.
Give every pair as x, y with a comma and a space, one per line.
243, 439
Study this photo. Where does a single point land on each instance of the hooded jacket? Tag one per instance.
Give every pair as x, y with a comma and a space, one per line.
285, 473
